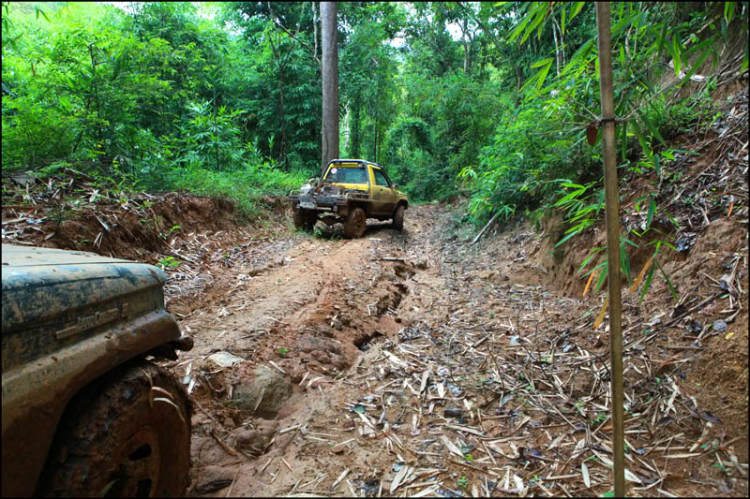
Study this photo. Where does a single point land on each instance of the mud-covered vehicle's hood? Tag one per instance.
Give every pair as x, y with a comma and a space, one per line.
70, 292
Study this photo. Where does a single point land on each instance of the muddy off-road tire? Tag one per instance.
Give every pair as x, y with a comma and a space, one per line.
304, 219
355, 224
127, 436
398, 218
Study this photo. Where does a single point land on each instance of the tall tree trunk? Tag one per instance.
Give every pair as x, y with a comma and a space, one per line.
330, 70
356, 127
559, 53
315, 32
466, 48
280, 64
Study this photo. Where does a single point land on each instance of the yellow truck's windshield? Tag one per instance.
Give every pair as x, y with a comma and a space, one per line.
347, 174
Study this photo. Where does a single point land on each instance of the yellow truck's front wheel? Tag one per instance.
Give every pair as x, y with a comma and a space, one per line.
355, 223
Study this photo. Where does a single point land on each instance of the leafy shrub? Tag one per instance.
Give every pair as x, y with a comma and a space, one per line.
245, 187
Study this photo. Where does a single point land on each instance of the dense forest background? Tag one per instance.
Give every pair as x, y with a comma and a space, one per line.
489, 100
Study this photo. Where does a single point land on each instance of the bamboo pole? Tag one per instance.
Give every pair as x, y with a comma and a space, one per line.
613, 237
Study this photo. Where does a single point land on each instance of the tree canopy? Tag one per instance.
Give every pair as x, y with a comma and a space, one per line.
491, 100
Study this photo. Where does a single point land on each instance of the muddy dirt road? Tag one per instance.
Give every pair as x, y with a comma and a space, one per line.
414, 364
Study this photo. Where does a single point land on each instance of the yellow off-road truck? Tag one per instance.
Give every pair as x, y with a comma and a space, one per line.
350, 192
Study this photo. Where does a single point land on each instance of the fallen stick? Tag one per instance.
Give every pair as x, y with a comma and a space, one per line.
481, 233
224, 446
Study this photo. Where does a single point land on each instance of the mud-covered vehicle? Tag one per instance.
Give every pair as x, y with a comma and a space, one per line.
84, 411
350, 192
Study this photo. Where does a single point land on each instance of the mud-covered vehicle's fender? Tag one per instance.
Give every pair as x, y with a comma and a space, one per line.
69, 320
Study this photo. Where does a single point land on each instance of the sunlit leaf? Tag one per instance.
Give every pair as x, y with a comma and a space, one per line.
576, 9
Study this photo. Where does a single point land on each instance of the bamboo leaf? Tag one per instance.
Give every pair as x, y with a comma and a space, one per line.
543, 62
543, 75
676, 55
40, 11
540, 16
576, 9
695, 67
641, 138
669, 282
729, 11
624, 23
625, 261
647, 284
626, 240
662, 37
641, 274
602, 313
651, 212
595, 268
588, 283
654, 131
570, 196
565, 238
602, 278
519, 27
579, 54
587, 260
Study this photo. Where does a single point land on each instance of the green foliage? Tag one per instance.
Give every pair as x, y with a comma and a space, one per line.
540, 137
244, 187
168, 262
581, 206
225, 99
462, 482
165, 235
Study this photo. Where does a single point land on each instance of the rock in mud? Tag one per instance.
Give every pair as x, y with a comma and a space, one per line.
213, 479
268, 391
452, 413
225, 359
720, 326
309, 344
322, 350
254, 440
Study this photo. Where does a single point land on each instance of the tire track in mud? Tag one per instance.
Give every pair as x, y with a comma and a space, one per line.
324, 308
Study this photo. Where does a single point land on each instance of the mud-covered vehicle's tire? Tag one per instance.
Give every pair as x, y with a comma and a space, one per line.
355, 223
398, 218
128, 435
304, 219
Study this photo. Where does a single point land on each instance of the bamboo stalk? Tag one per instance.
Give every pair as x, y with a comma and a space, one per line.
613, 237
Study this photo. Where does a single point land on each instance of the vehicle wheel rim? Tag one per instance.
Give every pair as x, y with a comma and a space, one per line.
138, 468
